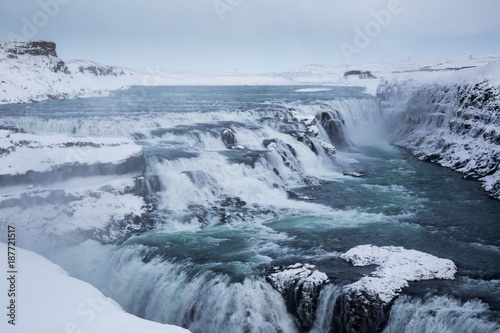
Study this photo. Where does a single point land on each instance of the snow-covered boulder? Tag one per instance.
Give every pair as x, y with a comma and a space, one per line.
300, 285
366, 303
72, 188
396, 267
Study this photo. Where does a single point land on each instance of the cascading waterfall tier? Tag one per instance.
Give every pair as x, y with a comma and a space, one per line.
219, 209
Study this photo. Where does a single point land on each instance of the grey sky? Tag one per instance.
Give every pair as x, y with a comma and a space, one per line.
254, 35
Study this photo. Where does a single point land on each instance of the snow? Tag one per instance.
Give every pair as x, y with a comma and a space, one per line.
28, 78
23, 152
454, 122
299, 274
62, 203
396, 267
60, 303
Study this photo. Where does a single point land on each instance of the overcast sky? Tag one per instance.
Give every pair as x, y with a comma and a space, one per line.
254, 35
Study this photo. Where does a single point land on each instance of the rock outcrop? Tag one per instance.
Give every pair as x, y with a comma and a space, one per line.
300, 285
457, 126
33, 72
39, 48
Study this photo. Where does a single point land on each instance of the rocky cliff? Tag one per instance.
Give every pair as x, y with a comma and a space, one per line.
33, 72
455, 122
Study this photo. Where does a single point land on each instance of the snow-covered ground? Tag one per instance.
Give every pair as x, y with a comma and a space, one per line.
50, 301
27, 77
23, 152
67, 180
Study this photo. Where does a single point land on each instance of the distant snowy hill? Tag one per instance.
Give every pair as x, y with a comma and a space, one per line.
32, 72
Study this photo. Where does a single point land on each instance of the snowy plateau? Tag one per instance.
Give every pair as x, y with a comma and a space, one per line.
445, 111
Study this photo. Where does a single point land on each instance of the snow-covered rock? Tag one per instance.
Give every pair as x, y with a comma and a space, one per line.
366, 303
24, 155
66, 187
300, 285
396, 267
354, 173
456, 122
48, 300
32, 72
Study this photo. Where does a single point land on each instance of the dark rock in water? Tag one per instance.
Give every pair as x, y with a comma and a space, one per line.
119, 231
334, 125
267, 142
225, 218
138, 136
228, 138
147, 187
240, 156
360, 313
305, 139
328, 148
432, 158
300, 285
286, 151
13, 129
355, 173
241, 204
200, 212
294, 195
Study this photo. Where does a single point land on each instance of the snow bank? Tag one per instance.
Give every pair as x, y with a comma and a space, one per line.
396, 267
72, 187
60, 303
23, 152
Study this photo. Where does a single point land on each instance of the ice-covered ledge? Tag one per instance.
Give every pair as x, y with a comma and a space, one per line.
396, 267
59, 303
23, 152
